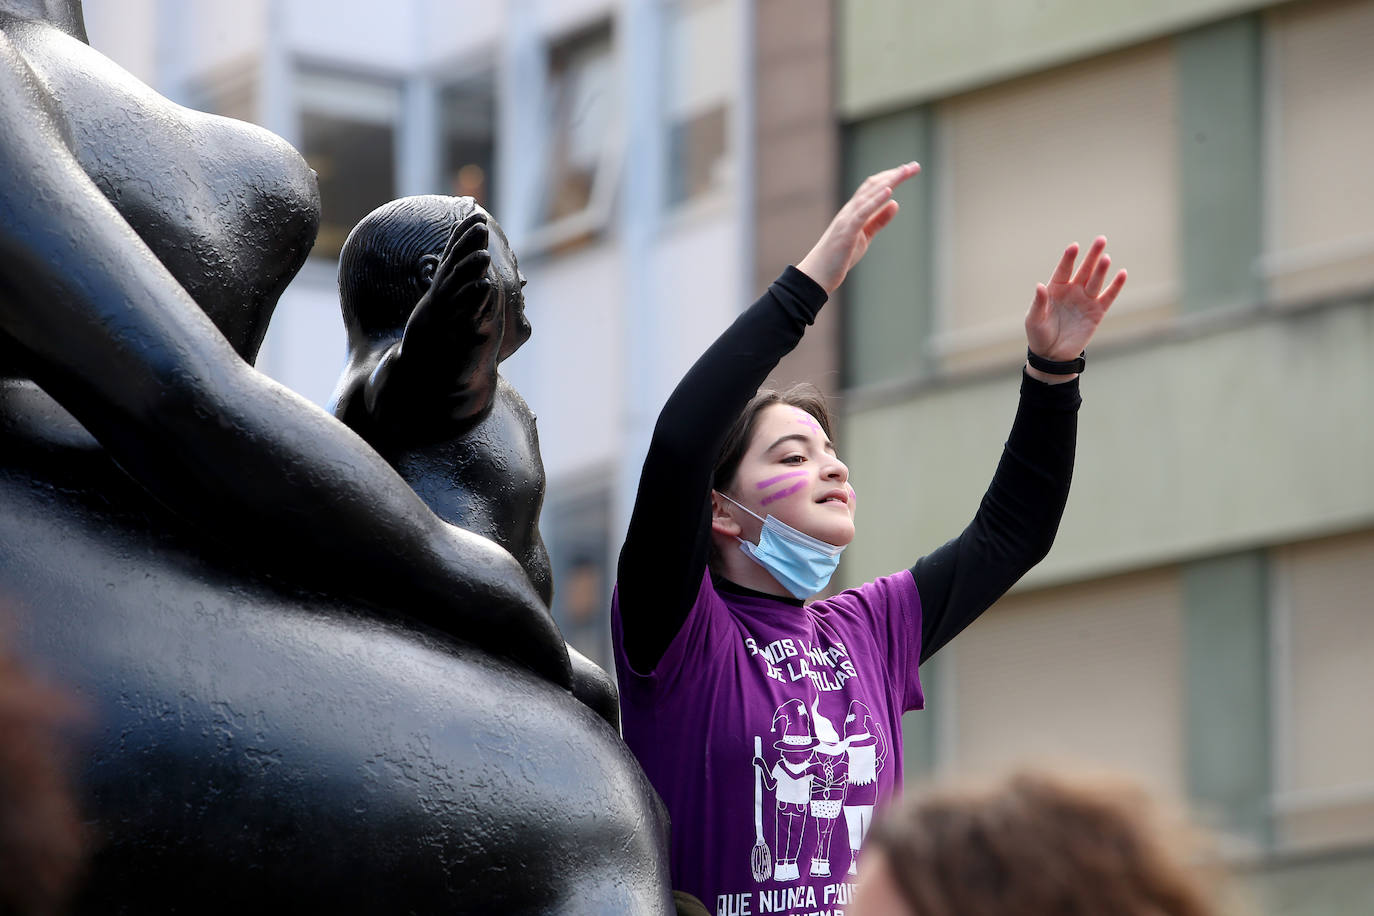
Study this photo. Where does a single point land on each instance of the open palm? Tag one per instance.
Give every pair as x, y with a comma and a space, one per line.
846, 239
1066, 312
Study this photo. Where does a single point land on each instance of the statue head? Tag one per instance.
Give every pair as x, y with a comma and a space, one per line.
388, 261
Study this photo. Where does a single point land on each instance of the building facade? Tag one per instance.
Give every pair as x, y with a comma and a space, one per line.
1205, 617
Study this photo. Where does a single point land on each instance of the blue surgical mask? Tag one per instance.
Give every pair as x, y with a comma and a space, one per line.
802, 564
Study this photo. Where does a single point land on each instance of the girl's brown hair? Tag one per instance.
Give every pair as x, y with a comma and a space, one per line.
805, 396
1037, 844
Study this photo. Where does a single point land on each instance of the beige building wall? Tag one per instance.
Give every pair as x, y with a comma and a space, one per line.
1322, 100
1325, 600
1205, 620
1089, 673
897, 52
1027, 167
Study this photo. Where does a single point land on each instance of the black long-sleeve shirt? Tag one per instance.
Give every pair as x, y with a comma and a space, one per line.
668, 542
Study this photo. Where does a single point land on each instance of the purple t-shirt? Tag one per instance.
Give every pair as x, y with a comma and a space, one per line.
817, 692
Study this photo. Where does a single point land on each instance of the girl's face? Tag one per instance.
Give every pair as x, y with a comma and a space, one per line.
790, 471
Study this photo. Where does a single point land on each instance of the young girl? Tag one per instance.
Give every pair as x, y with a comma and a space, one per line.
743, 509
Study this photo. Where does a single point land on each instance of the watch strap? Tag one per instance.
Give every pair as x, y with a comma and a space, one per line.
1057, 367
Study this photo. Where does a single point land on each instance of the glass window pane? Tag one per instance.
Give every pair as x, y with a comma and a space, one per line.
887, 297
348, 136
582, 107
701, 47
468, 114
1323, 142
1058, 157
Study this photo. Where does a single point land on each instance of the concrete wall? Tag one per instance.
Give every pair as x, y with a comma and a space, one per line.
898, 52
796, 163
1195, 445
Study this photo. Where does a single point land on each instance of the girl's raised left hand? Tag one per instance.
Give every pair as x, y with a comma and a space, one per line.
1065, 313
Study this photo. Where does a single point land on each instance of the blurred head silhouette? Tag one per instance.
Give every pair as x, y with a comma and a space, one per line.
1033, 844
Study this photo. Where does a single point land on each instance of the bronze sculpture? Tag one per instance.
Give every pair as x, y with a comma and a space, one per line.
306, 691
433, 301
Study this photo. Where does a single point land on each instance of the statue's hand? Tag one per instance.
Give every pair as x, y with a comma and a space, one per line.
457, 313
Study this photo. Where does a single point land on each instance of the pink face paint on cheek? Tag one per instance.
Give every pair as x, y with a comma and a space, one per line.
783, 493
772, 480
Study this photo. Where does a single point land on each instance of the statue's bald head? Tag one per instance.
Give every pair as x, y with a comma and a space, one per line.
382, 267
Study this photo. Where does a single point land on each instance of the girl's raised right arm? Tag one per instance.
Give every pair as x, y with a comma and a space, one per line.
668, 542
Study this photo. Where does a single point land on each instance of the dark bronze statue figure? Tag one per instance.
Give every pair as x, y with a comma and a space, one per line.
306, 691
433, 301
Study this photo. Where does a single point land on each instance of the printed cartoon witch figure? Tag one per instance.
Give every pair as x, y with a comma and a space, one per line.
829, 780
867, 752
790, 781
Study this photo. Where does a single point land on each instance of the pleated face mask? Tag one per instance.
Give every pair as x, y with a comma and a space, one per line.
802, 564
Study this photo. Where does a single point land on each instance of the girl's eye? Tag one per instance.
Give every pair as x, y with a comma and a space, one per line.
793, 459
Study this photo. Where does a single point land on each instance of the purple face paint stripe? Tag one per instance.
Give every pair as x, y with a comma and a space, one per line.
781, 493
772, 480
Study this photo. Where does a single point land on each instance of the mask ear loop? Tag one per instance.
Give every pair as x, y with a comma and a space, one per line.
755, 514
743, 544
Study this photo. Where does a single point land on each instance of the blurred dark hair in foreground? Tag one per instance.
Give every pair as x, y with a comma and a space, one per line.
1037, 843
41, 837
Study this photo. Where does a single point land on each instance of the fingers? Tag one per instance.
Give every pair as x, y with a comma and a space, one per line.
881, 218
469, 235
888, 178
1064, 269
862, 208
1099, 276
472, 267
477, 295
1108, 297
1041, 300
1085, 271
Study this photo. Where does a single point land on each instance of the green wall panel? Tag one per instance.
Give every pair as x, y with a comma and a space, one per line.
1220, 171
887, 297
900, 52
1198, 445
1226, 624
1339, 883
921, 729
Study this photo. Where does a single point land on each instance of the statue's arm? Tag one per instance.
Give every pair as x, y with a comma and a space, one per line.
101, 325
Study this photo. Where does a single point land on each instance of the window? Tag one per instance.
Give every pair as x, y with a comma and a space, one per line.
468, 124
700, 79
582, 143
348, 136
1092, 672
1326, 638
1030, 166
888, 296
576, 526
1321, 144
230, 92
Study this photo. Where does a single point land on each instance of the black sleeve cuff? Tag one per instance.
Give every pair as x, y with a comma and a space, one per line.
799, 294
1064, 396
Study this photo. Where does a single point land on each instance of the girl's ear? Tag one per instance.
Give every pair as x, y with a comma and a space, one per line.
722, 522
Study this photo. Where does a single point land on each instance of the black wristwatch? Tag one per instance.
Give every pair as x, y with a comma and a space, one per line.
1064, 367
